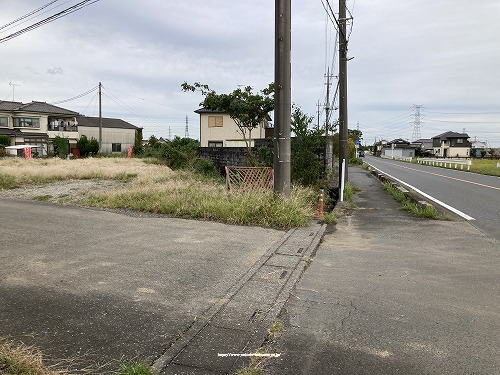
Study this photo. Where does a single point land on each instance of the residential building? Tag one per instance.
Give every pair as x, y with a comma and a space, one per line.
425, 145
451, 145
36, 124
117, 135
218, 129
398, 148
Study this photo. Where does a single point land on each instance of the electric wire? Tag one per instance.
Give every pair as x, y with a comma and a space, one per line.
52, 18
27, 15
76, 97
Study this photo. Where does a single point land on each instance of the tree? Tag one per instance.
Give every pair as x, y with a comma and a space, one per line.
306, 166
61, 146
5, 140
138, 149
87, 147
246, 108
153, 142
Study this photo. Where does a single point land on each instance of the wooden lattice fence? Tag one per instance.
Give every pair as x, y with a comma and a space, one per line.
249, 178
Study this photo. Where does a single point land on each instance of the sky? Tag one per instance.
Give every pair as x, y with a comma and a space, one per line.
442, 55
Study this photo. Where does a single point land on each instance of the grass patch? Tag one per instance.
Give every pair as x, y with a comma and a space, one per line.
43, 198
410, 206
24, 360
485, 166
8, 181
156, 188
330, 218
135, 369
20, 359
199, 200
349, 191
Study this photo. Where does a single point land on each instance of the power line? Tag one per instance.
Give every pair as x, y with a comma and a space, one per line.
52, 18
29, 14
76, 97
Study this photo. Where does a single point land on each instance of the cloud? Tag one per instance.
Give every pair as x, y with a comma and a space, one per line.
55, 71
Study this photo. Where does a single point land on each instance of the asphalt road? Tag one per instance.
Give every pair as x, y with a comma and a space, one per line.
391, 294
475, 195
101, 288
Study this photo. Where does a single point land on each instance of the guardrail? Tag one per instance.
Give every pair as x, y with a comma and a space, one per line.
453, 163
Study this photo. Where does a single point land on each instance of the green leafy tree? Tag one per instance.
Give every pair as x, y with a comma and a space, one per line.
83, 145
153, 142
138, 149
93, 146
61, 146
306, 166
5, 140
247, 109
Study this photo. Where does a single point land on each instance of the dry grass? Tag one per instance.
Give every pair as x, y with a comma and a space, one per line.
19, 359
37, 171
156, 188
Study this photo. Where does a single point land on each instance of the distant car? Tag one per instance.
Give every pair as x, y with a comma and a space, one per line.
361, 154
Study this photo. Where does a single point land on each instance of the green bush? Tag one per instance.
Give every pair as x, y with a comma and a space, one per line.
61, 147
5, 140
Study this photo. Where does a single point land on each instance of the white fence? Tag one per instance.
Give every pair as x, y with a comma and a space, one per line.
446, 163
402, 158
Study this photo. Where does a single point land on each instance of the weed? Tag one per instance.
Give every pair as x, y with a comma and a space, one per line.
19, 359
428, 212
8, 181
349, 191
330, 218
135, 369
43, 198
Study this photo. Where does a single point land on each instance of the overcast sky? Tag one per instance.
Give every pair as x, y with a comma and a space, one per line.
441, 54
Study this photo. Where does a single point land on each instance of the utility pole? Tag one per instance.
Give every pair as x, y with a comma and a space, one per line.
100, 116
186, 131
282, 96
416, 122
343, 119
329, 140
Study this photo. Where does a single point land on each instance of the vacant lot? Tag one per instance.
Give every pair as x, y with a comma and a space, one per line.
146, 186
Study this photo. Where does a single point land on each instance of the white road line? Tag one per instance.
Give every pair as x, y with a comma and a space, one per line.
452, 209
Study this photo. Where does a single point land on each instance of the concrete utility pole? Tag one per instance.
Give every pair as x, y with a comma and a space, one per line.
282, 96
329, 140
343, 120
100, 116
186, 131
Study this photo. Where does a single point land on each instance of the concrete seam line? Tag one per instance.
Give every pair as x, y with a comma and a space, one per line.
178, 345
442, 204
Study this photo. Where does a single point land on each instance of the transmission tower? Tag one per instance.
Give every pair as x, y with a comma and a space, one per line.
186, 132
416, 122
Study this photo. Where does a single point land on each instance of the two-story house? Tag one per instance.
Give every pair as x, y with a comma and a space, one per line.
36, 124
451, 144
218, 129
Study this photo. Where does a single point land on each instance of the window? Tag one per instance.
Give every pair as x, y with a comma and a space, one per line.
215, 144
460, 140
4, 121
215, 121
26, 122
116, 147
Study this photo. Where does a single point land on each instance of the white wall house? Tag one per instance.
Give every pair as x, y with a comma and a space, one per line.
117, 135
217, 129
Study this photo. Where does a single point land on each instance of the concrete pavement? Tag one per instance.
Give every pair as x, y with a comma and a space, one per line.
391, 294
385, 293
